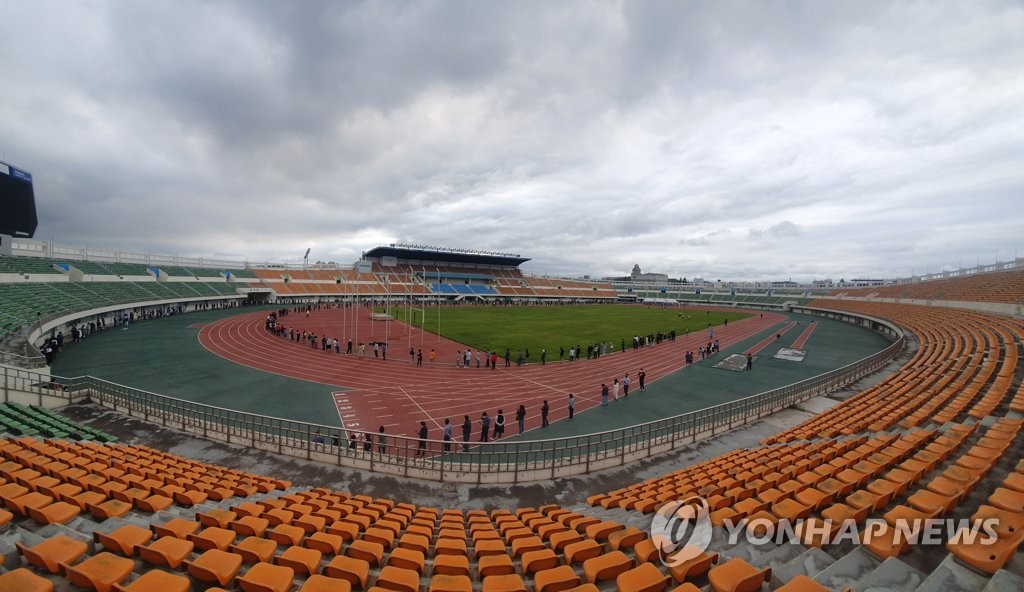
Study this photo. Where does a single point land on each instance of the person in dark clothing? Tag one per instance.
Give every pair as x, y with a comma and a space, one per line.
485, 427
544, 414
641, 376
382, 441
422, 448
521, 418
499, 425
467, 427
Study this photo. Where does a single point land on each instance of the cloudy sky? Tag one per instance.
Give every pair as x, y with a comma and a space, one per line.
732, 140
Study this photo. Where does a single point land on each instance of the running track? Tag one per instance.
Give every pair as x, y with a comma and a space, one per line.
398, 395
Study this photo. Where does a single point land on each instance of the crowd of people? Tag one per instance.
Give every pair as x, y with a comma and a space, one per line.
490, 428
80, 329
275, 325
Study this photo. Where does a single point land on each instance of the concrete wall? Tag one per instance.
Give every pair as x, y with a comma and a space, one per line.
29, 387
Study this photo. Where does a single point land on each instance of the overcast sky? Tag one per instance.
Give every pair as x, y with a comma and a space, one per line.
725, 140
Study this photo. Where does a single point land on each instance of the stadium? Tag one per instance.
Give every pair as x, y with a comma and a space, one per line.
141, 486
511, 297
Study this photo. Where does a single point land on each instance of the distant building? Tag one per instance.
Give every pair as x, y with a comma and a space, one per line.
638, 276
863, 282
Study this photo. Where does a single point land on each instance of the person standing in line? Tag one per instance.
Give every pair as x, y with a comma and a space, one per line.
362, 349
572, 405
543, 356
625, 386
544, 414
499, 425
384, 352
494, 360
433, 356
421, 449
485, 427
615, 390
604, 395
419, 357
467, 428
508, 361
640, 377
477, 358
521, 418
458, 359
382, 441
412, 356
376, 350
348, 349
447, 430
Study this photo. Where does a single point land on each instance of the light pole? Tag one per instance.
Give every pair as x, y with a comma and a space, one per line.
438, 278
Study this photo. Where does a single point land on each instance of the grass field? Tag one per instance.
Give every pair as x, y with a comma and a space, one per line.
497, 328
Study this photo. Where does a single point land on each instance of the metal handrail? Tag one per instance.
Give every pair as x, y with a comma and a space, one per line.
473, 462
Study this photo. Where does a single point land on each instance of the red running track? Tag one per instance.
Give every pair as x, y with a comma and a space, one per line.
800, 341
398, 395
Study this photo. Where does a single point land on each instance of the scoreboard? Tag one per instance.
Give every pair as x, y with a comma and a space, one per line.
17, 202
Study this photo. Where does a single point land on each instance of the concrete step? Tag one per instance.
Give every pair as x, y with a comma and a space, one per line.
950, 576
1004, 581
775, 556
640, 521
627, 517
848, 569
809, 563
892, 575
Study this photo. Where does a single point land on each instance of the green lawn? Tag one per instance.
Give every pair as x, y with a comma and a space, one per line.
497, 328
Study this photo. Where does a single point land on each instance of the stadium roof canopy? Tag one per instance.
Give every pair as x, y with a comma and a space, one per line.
414, 256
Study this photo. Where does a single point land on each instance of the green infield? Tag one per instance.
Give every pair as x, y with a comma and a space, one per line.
533, 328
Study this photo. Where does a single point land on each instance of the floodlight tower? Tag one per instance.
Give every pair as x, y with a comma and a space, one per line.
305, 258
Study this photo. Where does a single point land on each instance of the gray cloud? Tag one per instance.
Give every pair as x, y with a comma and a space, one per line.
727, 140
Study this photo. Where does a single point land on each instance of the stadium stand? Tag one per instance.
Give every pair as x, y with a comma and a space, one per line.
30, 421
1004, 286
23, 303
27, 265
